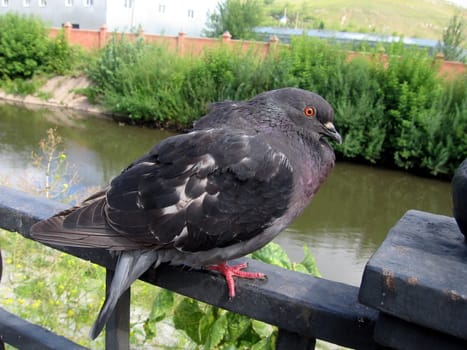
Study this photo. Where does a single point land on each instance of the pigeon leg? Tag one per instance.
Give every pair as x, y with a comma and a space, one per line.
229, 271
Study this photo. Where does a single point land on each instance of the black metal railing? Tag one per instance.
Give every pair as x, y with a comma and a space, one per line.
304, 308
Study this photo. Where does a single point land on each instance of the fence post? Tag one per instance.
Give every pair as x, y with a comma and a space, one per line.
67, 29
383, 57
102, 36
181, 43
272, 44
226, 37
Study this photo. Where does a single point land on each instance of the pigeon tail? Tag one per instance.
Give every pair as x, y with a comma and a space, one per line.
130, 266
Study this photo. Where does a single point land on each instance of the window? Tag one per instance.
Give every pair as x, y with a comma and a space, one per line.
191, 14
68, 3
88, 3
42, 3
128, 3
4, 3
161, 8
26, 3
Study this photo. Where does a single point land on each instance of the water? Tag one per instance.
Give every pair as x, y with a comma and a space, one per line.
344, 225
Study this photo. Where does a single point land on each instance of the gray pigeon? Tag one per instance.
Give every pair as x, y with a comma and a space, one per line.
219, 192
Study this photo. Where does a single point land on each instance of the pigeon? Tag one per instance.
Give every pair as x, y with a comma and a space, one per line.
459, 197
218, 192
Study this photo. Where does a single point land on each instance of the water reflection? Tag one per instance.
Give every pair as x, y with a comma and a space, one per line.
343, 226
98, 146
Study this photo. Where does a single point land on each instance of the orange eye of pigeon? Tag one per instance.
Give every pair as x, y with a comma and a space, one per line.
310, 111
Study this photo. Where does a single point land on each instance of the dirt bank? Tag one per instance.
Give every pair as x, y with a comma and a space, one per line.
59, 92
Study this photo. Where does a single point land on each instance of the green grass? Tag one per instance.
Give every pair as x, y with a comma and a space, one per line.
422, 18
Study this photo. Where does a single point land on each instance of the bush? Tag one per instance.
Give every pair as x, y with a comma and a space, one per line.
316, 65
61, 57
117, 53
222, 74
26, 49
359, 112
444, 142
23, 46
410, 85
148, 82
141, 81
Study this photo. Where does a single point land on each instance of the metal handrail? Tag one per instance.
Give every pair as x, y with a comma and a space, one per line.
304, 307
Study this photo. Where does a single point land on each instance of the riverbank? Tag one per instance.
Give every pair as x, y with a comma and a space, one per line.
59, 92
63, 92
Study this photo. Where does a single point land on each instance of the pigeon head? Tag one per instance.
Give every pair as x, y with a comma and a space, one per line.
311, 113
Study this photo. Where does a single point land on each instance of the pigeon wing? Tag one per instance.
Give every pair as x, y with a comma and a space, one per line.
201, 190
196, 191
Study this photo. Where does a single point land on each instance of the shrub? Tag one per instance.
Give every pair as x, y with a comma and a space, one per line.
117, 53
141, 81
224, 73
23, 46
61, 57
410, 85
444, 139
26, 49
316, 65
148, 82
359, 112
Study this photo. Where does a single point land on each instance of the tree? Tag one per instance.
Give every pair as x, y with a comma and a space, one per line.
452, 39
238, 17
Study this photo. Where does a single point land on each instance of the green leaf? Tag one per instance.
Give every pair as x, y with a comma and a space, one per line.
217, 332
205, 324
149, 329
263, 344
238, 325
262, 329
187, 316
308, 263
161, 305
273, 254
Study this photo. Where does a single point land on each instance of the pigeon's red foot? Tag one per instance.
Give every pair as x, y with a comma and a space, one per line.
229, 271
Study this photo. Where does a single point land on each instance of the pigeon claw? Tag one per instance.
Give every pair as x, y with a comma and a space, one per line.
229, 271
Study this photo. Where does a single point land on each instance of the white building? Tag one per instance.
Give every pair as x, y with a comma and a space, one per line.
167, 17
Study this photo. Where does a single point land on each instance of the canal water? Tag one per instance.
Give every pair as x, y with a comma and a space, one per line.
344, 225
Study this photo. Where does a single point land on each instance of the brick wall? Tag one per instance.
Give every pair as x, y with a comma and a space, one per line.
95, 39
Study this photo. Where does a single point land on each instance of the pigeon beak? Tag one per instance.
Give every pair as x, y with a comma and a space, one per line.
332, 132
